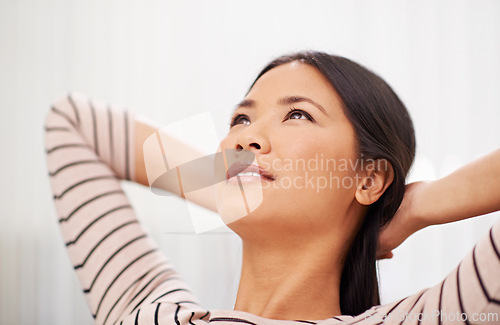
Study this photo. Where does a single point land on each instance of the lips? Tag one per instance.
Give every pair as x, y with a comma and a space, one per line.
248, 169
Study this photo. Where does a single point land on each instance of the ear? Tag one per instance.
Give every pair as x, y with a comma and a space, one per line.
376, 177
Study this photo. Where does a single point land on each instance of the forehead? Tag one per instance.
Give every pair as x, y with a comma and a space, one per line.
294, 79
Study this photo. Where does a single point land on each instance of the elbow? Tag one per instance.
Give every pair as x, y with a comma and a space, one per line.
61, 117
63, 113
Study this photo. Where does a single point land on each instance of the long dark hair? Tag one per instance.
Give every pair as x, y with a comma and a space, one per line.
384, 130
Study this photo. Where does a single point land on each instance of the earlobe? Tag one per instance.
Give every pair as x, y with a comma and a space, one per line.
375, 182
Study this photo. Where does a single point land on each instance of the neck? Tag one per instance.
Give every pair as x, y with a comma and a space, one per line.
291, 282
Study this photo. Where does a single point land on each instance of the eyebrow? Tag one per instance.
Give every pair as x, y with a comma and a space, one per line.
246, 103
298, 99
249, 103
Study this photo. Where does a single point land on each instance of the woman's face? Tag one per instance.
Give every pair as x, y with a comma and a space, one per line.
293, 122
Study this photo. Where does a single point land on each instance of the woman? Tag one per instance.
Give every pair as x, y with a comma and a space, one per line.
308, 251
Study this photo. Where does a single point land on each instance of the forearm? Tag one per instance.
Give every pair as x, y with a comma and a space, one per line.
470, 191
158, 152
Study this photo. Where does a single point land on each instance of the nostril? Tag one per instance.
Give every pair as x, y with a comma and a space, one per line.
239, 148
255, 145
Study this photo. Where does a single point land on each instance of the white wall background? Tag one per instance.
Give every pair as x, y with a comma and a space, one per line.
171, 59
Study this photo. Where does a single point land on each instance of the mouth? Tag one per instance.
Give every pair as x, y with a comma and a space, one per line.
246, 171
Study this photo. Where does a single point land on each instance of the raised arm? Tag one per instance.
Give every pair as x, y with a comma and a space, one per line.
472, 190
470, 294
91, 147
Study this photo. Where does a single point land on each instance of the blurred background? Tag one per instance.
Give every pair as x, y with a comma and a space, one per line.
169, 60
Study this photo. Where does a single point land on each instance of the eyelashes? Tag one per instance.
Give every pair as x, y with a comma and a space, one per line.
292, 114
296, 112
237, 118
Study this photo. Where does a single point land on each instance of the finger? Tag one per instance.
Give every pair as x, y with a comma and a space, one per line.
385, 256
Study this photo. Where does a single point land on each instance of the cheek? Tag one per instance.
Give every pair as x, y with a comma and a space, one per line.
319, 167
296, 145
323, 147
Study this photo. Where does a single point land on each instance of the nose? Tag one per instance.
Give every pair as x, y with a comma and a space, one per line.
253, 138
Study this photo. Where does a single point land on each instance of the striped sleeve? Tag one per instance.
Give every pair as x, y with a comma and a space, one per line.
470, 294
123, 275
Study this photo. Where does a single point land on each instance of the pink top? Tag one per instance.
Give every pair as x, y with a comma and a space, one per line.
126, 279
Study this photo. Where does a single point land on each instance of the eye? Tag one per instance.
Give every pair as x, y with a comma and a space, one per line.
239, 119
297, 114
